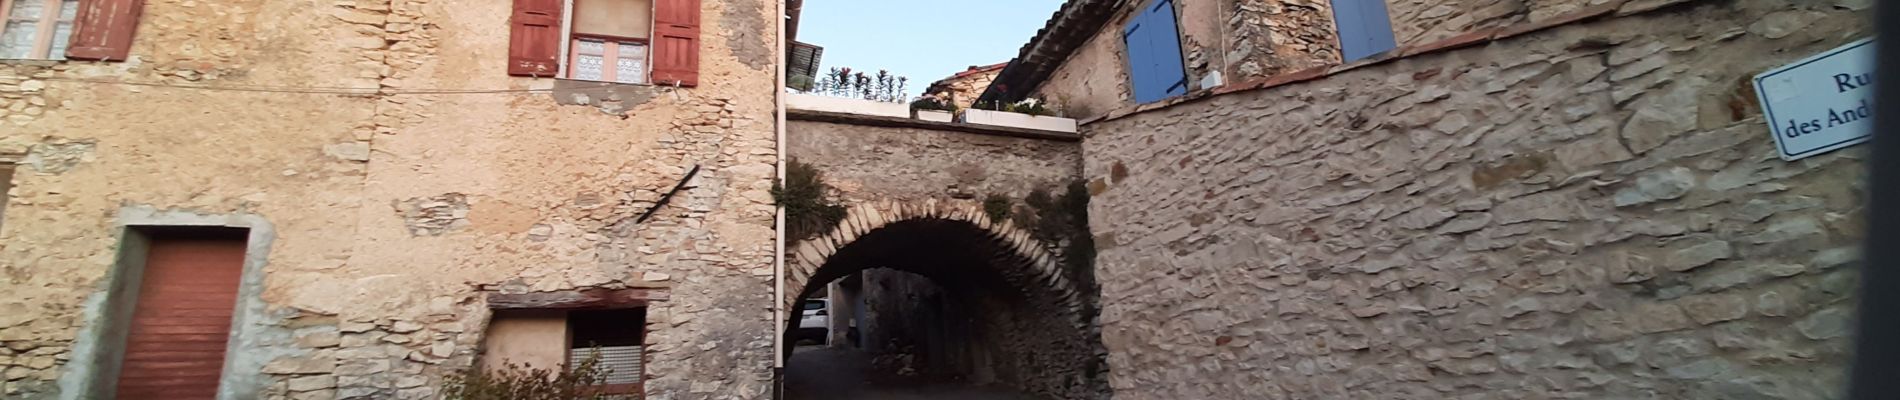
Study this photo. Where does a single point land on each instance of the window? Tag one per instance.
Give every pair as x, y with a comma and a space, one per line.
625, 41
1364, 28
617, 335
555, 330
37, 29
1154, 54
63, 29
555, 339
609, 40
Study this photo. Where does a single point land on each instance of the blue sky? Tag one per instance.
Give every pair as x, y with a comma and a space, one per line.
922, 40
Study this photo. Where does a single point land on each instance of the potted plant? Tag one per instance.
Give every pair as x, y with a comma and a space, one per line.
1031, 113
933, 107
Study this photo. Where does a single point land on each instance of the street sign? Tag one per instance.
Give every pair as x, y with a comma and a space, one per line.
1820, 103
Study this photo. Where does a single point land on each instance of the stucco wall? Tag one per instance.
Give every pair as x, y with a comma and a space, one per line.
1594, 211
390, 210
1093, 81
869, 163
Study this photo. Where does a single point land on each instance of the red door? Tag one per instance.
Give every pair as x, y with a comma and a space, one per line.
175, 348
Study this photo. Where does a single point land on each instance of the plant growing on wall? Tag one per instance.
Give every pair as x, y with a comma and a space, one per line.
1064, 221
809, 207
996, 207
517, 382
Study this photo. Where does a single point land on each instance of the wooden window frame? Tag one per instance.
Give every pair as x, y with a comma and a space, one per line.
48, 25
607, 74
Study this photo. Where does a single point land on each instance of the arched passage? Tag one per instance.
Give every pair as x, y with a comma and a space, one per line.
1026, 324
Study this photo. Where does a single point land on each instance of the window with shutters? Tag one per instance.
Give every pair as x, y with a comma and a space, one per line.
624, 41
554, 338
1155, 68
1364, 28
36, 29
68, 29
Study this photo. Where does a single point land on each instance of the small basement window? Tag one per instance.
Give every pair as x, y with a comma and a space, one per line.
36, 29
617, 336
609, 40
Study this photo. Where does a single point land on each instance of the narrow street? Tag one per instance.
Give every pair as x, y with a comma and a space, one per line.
818, 373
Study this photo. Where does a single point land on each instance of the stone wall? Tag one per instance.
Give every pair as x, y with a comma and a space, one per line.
1422, 21
392, 211
1594, 210
1271, 37
868, 163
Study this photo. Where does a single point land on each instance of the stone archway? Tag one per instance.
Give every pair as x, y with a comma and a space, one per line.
1044, 341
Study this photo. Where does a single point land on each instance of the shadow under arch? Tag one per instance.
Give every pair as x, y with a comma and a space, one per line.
1034, 330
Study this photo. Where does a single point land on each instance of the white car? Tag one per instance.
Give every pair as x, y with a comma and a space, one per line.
815, 313
814, 321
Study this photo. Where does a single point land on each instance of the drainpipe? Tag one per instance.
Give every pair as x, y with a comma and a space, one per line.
778, 254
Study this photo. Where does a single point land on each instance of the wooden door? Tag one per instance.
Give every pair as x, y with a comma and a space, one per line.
182, 321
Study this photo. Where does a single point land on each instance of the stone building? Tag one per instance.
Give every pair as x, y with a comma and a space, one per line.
1487, 200
962, 88
372, 185
1286, 198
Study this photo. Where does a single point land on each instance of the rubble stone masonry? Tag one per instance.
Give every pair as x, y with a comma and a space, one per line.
392, 213
1593, 210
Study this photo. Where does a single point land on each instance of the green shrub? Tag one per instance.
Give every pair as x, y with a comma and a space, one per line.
809, 209
996, 207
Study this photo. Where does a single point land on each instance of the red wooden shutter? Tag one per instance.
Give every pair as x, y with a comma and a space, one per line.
534, 44
180, 325
103, 29
676, 43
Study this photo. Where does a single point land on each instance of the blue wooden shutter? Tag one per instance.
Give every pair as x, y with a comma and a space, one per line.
1140, 70
1154, 54
1364, 28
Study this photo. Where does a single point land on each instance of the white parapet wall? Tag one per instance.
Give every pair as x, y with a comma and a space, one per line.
810, 102
1026, 121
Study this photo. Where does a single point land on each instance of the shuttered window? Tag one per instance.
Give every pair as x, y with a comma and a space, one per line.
1155, 68
36, 29
625, 41
1364, 28
616, 336
181, 321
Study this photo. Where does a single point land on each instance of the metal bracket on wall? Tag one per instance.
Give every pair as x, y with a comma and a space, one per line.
668, 197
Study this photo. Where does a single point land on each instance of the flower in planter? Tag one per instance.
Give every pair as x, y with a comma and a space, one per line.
933, 102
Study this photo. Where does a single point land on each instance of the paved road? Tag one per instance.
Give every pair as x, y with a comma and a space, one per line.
816, 373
